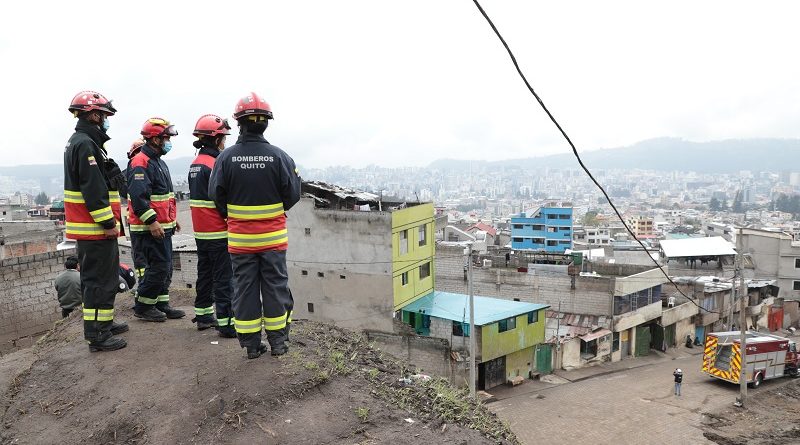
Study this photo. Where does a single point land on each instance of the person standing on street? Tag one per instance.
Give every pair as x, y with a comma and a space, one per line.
256, 183
678, 374
92, 211
214, 273
68, 286
152, 213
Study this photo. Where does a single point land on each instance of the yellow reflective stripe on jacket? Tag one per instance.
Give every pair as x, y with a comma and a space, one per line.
201, 203
101, 215
211, 235
98, 314
165, 197
147, 214
247, 326
258, 239
76, 197
275, 323
84, 228
255, 212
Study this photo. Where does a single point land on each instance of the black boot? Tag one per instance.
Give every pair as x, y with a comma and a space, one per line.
203, 322
149, 313
118, 328
109, 344
226, 331
280, 349
256, 352
169, 311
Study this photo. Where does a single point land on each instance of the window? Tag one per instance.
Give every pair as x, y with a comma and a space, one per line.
795, 285
564, 216
564, 229
460, 329
516, 226
507, 324
533, 317
552, 216
537, 227
709, 303
425, 271
552, 242
321, 274
538, 241
403, 242
342, 277
517, 240
404, 278
797, 263
615, 342
304, 272
552, 229
588, 349
421, 231
308, 230
311, 308
516, 299
591, 240
564, 242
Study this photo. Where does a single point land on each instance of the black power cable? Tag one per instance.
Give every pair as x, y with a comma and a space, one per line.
578, 157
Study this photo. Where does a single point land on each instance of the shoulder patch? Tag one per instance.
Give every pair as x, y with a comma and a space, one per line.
91, 160
138, 176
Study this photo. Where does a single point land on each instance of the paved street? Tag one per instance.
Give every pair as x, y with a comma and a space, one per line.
630, 406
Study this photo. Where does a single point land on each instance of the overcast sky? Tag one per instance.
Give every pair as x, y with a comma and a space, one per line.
403, 83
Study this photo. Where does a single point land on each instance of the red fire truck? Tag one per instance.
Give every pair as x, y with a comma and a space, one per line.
767, 357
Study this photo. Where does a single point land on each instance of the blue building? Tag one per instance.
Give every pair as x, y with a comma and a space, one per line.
547, 229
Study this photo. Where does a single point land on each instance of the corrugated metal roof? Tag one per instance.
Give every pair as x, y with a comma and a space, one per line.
697, 247
596, 334
455, 307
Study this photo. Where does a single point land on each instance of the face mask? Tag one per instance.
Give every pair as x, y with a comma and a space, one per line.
166, 147
105, 125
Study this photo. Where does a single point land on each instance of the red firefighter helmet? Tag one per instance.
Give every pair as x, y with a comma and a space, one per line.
91, 101
252, 105
136, 146
156, 126
211, 125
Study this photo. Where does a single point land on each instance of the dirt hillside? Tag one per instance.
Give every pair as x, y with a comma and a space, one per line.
772, 417
173, 384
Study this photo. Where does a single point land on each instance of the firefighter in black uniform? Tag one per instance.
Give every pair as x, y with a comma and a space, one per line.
152, 213
214, 272
256, 183
92, 208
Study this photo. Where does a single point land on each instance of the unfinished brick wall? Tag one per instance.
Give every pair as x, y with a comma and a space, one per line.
591, 295
30, 304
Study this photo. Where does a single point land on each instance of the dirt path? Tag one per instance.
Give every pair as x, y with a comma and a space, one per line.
173, 384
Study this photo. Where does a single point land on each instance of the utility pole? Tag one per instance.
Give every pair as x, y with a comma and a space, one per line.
471, 324
742, 325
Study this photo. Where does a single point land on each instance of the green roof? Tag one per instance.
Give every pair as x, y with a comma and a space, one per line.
455, 307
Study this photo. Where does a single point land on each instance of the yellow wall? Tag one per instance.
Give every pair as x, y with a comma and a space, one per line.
411, 219
519, 363
497, 344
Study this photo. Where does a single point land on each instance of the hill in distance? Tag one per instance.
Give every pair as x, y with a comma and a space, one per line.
664, 154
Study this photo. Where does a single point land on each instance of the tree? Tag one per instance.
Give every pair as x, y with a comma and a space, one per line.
714, 205
590, 218
41, 199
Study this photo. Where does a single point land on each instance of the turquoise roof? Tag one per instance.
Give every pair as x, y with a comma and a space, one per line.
455, 307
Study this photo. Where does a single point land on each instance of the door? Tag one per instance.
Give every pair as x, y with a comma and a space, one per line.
494, 372
625, 343
700, 332
669, 336
544, 358
657, 337
642, 346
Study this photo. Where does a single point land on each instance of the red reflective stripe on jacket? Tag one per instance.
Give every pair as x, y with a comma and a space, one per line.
238, 249
165, 212
79, 213
206, 219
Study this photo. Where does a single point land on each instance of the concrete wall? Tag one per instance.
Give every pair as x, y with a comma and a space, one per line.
342, 265
683, 328
428, 355
637, 317
30, 303
634, 283
773, 254
680, 312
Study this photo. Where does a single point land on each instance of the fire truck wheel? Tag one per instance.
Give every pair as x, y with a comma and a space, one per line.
757, 382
